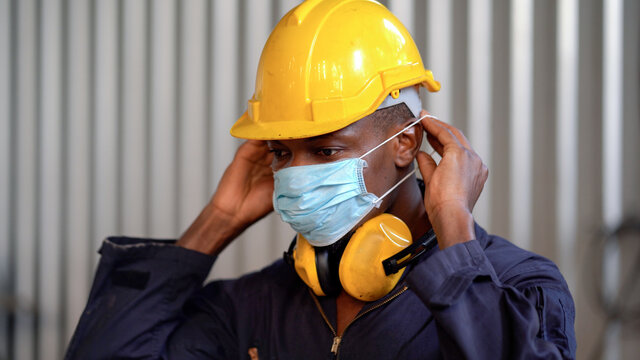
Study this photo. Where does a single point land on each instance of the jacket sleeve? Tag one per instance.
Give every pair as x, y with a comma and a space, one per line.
137, 299
529, 316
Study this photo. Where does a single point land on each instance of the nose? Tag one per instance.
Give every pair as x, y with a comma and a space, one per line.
300, 158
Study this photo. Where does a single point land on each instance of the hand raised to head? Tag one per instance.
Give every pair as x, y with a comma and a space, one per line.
243, 196
454, 185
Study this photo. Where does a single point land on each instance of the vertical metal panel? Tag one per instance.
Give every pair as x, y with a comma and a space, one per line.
566, 141
77, 220
543, 123
163, 207
631, 107
256, 19
439, 59
521, 121
105, 135
612, 137
133, 153
5, 174
589, 160
459, 86
192, 112
420, 25
631, 153
612, 111
500, 129
50, 138
226, 107
26, 175
479, 69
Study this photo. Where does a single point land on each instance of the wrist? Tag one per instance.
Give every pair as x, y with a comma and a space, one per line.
453, 225
210, 233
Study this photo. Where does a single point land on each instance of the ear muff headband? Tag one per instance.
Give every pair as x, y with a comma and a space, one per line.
327, 272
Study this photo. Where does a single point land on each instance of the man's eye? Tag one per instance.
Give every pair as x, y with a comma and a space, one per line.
328, 152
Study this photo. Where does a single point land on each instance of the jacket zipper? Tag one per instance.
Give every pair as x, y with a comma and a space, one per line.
337, 339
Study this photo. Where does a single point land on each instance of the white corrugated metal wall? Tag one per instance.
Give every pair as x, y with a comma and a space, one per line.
114, 119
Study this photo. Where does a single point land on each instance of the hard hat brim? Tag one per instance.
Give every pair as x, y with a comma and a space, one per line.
246, 128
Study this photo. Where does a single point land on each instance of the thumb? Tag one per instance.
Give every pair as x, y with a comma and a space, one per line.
427, 166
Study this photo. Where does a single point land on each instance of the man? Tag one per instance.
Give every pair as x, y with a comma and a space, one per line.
334, 127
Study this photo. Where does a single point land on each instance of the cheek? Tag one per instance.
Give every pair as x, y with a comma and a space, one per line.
379, 174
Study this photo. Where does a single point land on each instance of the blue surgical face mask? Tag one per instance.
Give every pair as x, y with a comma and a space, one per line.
323, 202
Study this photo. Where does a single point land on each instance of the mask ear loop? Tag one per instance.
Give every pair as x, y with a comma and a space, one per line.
379, 200
398, 133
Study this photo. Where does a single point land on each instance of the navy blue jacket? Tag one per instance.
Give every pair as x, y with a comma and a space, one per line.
484, 299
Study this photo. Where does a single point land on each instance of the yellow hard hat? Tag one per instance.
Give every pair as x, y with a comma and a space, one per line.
327, 64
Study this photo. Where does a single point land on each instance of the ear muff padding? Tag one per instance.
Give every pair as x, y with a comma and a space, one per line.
327, 272
361, 272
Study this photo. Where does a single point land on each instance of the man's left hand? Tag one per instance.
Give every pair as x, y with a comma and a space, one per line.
452, 186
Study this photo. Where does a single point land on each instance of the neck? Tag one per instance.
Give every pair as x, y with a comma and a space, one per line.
408, 205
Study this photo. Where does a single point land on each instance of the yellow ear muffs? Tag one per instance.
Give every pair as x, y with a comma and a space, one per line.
370, 266
304, 261
361, 271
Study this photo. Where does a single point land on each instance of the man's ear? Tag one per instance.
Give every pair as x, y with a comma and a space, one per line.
408, 144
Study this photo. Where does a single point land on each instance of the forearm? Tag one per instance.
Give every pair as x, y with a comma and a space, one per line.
211, 232
452, 225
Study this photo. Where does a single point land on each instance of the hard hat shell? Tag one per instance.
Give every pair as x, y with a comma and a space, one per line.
327, 64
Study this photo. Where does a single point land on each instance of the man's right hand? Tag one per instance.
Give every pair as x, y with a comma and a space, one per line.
244, 196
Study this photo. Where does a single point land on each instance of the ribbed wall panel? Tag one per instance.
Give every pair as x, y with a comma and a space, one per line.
162, 126
6, 261
25, 191
479, 122
115, 117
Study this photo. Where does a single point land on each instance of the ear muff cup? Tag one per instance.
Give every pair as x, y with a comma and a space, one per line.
361, 272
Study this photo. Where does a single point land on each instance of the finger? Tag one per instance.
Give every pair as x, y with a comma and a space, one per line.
435, 144
258, 145
427, 166
456, 132
433, 141
440, 132
254, 151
